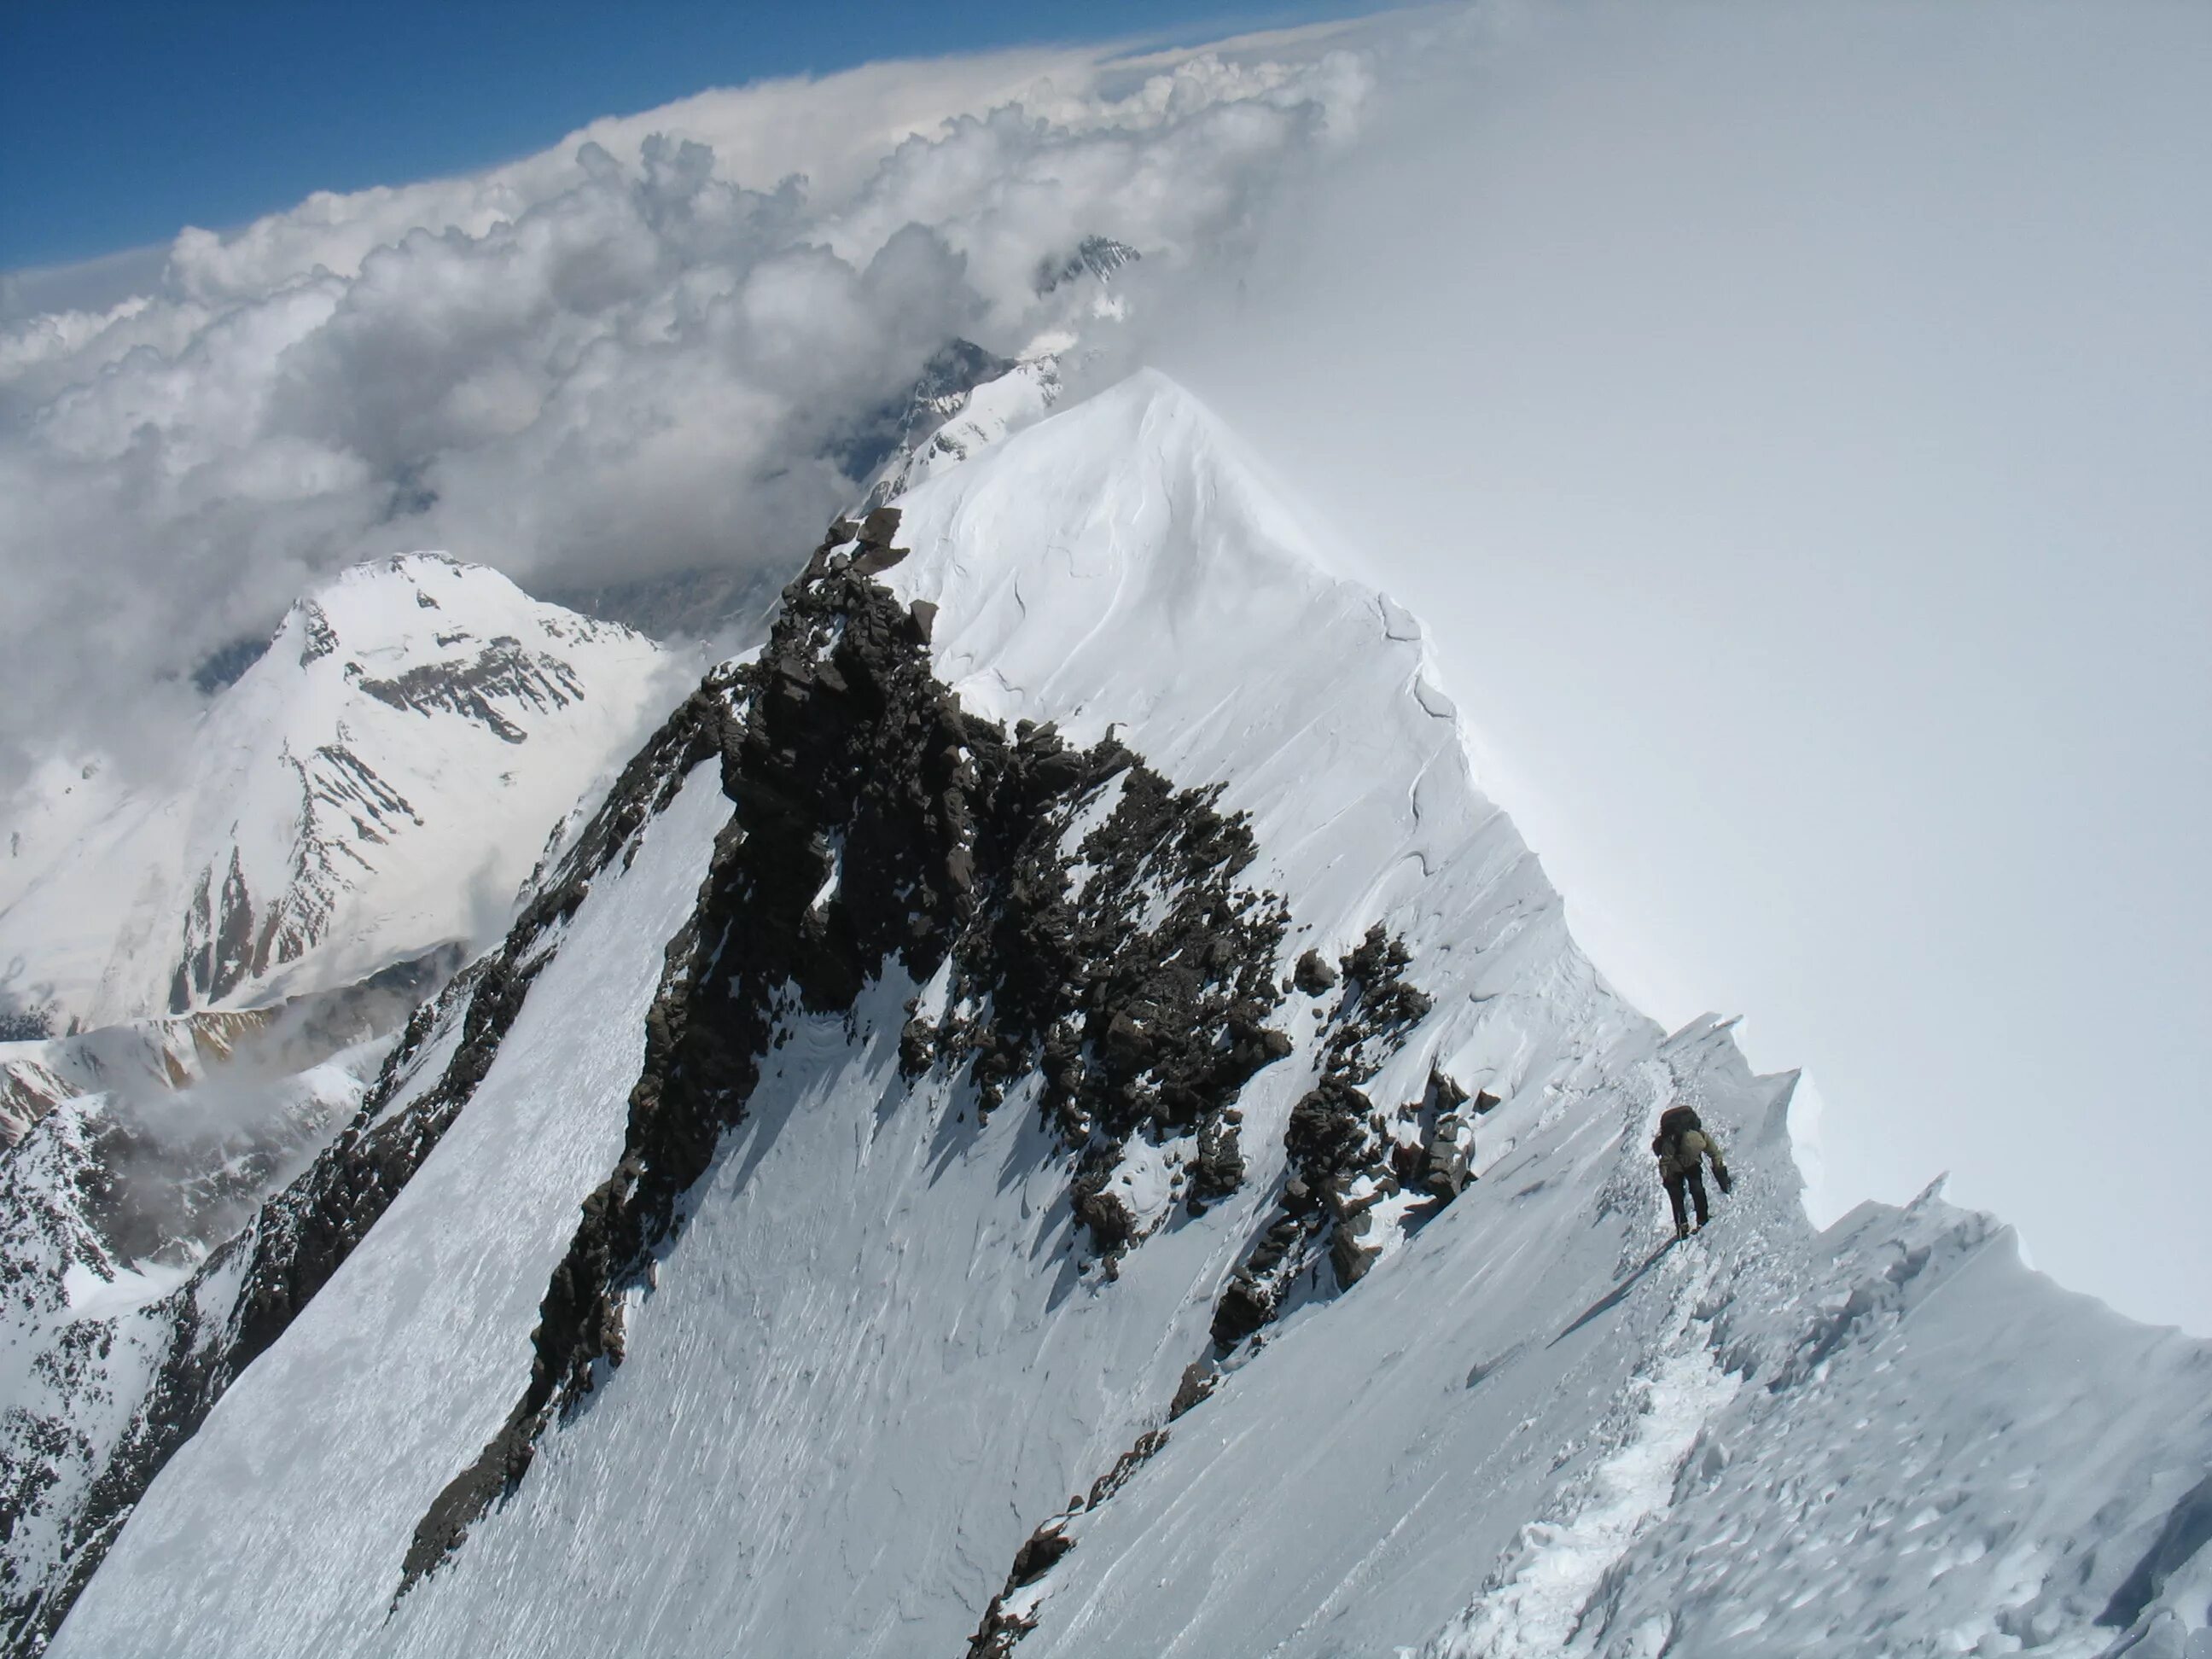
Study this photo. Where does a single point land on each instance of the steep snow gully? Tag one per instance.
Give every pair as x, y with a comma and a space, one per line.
1063, 1020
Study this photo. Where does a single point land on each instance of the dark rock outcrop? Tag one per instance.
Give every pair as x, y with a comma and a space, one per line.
876, 824
502, 670
1006, 1621
1343, 1155
1003, 1624
1199, 1381
1097, 257
1338, 1147
902, 425
318, 638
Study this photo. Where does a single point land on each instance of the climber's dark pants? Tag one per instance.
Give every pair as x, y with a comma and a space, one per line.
1693, 1179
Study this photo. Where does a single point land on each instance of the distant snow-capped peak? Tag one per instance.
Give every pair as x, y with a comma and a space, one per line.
968, 400
377, 784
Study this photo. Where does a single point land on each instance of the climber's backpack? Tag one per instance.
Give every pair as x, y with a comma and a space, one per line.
1673, 1123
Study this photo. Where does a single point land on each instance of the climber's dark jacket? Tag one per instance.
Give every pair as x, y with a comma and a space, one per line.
1682, 1145
1687, 1152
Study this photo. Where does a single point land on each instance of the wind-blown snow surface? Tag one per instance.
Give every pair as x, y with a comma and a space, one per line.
974, 420
872, 1361
414, 1338
96, 1230
1543, 1438
376, 785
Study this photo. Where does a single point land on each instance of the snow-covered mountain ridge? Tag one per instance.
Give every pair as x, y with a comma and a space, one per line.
1025, 1034
946, 428
967, 400
375, 786
181, 1051
121, 1342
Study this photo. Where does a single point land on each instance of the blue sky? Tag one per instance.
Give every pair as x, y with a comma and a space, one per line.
121, 121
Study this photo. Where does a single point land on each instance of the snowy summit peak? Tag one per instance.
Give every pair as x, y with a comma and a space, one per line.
387, 768
422, 603
1143, 465
1120, 557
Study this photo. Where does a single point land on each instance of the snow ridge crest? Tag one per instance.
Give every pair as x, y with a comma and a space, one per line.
872, 1300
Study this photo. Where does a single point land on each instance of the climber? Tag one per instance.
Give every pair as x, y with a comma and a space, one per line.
1682, 1146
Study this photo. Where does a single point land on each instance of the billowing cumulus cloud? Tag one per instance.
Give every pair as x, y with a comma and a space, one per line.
1790, 420
649, 348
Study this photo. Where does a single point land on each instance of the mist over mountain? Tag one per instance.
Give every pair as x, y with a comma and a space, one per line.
902, 1006
668, 343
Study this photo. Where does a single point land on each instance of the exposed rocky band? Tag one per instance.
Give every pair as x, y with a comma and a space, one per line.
875, 823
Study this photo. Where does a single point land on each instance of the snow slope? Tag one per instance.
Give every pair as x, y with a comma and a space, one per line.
951, 420
461, 1255
107, 1206
946, 430
1543, 1439
877, 1354
376, 785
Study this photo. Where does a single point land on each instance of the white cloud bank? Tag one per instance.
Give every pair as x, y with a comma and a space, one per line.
640, 350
